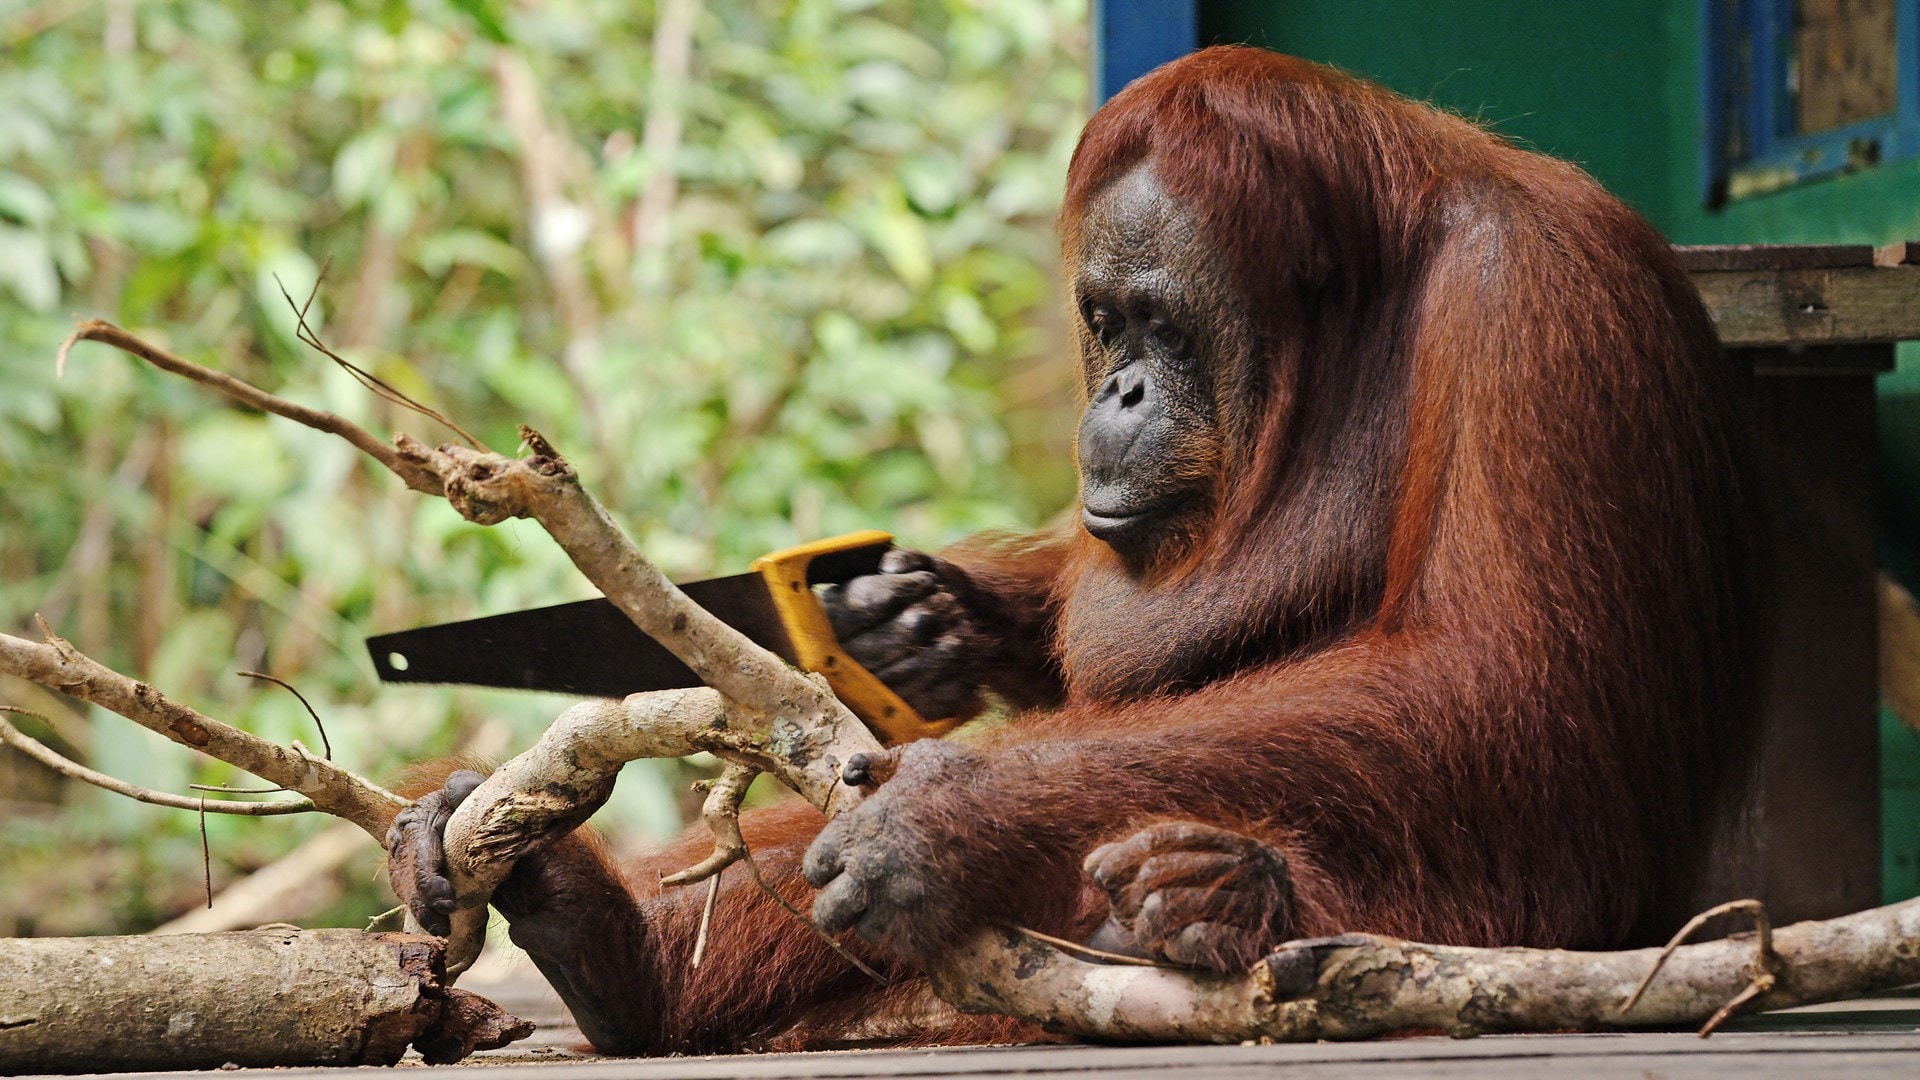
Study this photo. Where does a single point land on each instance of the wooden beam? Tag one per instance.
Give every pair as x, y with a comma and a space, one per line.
1843, 306
1702, 257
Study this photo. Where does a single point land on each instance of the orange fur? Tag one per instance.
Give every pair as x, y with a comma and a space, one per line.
1470, 636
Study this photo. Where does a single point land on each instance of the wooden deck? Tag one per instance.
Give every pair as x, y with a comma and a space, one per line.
1880, 1040
1877, 1037
1639, 1057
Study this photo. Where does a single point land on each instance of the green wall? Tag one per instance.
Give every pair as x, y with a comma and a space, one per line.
1615, 86
1611, 84
1551, 75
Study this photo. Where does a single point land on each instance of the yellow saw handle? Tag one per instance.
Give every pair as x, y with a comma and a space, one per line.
817, 650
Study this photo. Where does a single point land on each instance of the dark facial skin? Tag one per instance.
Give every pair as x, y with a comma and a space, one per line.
1158, 333
1162, 334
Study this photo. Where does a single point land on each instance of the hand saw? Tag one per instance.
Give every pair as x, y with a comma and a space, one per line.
591, 649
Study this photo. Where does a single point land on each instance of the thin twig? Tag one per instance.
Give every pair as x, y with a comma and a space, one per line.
206, 851
384, 916
326, 745
706, 919
45, 755
1090, 953
1761, 984
1762, 925
312, 293
380, 387
721, 812
225, 790
845, 953
68, 724
56, 663
416, 477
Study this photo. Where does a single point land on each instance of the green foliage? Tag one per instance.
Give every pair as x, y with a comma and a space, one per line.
806, 288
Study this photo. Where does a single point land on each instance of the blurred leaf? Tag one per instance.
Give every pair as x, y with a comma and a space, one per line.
364, 167
486, 19
813, 241
900, 236
442, 251
22, 200
26, 269
234, 455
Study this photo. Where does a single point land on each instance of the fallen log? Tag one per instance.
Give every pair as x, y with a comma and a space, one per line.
1359, 986
273, 996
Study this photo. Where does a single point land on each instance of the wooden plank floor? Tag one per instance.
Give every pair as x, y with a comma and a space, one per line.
1746, 1056
1878, 1037
1741, 1055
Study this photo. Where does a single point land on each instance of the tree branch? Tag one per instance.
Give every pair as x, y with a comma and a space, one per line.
40, 752
1359, 986
212, 1001
108, 334
58, 665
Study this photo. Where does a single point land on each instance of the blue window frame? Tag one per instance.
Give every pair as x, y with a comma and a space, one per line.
1755, 141
1132, 37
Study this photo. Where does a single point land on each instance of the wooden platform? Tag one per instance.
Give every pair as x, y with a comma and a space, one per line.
1815, 325
1638, 1057
1808, 295
1877, 1038
1874, 1037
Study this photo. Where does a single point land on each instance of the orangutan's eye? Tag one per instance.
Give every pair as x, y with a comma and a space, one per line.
1105, 322
1171, 339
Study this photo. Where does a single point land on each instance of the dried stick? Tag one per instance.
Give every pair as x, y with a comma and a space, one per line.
488, 488
326, 744
274, 996
721, 812
206, 852
1098, 956
45, 755
544, 790
108, 334
284, 890
706, 920
1764, 968
497, 824
227, 789
374, 384
1359, 986
58, 665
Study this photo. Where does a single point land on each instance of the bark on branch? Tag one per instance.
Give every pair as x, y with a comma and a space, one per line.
247, 394
56, 664
205, 1000
1359, 986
